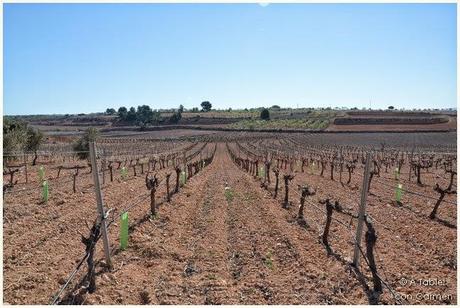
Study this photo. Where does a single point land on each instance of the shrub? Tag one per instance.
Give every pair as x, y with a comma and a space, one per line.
82, 144
265, 114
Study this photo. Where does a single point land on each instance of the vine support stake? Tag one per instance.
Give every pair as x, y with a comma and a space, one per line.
25, 165
74, 186
100, 206
103, 171
362, 210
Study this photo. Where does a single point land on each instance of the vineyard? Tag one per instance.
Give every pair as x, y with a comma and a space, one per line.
233, 218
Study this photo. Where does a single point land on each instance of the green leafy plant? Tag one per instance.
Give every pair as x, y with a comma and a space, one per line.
268, 262
228, 194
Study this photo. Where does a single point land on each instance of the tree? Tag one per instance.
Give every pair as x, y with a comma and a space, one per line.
18, 136
391, 107
34, 140
131, 115
156, 117
265, 114
176, 116
14, 137
110, 111
82, 144
206, 106
144, 115
195, 109
122, 113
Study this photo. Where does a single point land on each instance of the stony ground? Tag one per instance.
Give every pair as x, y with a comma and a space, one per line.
207, 246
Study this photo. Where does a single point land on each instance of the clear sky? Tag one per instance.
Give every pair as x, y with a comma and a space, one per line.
72, 58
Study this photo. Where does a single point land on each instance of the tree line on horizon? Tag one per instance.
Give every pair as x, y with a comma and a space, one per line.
144, 115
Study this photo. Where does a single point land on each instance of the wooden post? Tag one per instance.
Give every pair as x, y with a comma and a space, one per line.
100, 206
103, 171
25, 165
362, 210
74, 181
111, 172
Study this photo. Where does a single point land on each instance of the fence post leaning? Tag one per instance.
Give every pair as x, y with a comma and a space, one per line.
362, 210
100, 206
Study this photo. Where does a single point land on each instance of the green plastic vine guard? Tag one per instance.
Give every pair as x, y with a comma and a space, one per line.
396, 174
399, 192
41, 173
123, 173
124, 231
182, 178
261, 172
45, 191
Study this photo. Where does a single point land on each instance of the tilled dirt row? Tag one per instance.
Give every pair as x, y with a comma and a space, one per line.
211, 247
410, 246
206, 248
42, 242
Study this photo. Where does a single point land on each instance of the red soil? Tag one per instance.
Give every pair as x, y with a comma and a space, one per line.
204, 249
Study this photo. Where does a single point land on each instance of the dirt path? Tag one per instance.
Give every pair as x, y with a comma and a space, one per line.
204, 248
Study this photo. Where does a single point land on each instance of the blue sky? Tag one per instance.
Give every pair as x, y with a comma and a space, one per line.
72, 58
